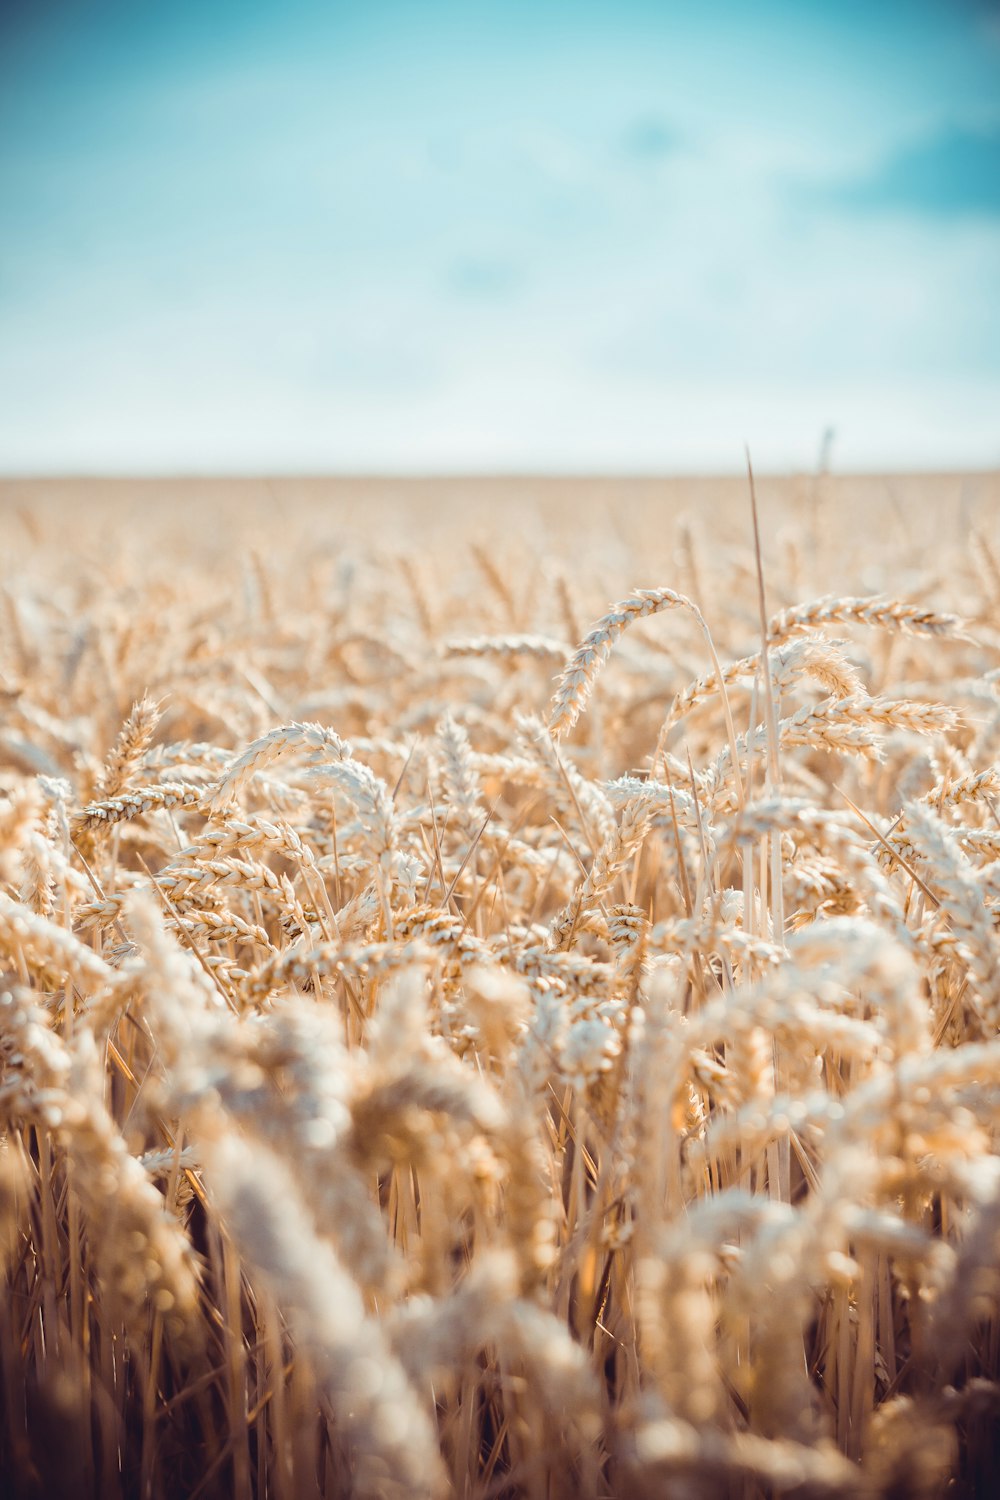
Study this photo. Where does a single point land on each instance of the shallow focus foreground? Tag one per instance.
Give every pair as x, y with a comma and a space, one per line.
451, 1043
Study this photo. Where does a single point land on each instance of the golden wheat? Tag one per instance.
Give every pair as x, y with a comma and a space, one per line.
404, 1093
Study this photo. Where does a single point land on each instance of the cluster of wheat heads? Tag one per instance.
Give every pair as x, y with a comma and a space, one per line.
442, 1059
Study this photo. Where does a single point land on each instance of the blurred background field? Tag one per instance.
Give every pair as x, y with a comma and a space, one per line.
854, 532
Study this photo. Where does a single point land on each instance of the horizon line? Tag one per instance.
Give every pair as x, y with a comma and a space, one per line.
446, 475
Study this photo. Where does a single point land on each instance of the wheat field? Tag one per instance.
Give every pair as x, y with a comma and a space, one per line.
500, 989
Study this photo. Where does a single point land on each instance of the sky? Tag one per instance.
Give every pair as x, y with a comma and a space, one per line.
513, 235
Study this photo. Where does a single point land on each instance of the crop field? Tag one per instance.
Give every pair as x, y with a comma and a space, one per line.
499, 989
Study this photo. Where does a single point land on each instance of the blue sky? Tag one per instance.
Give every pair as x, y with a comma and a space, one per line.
522, 236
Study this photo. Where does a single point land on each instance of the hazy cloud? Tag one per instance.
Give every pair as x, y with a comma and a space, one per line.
956, 172
650, 139
488, 278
